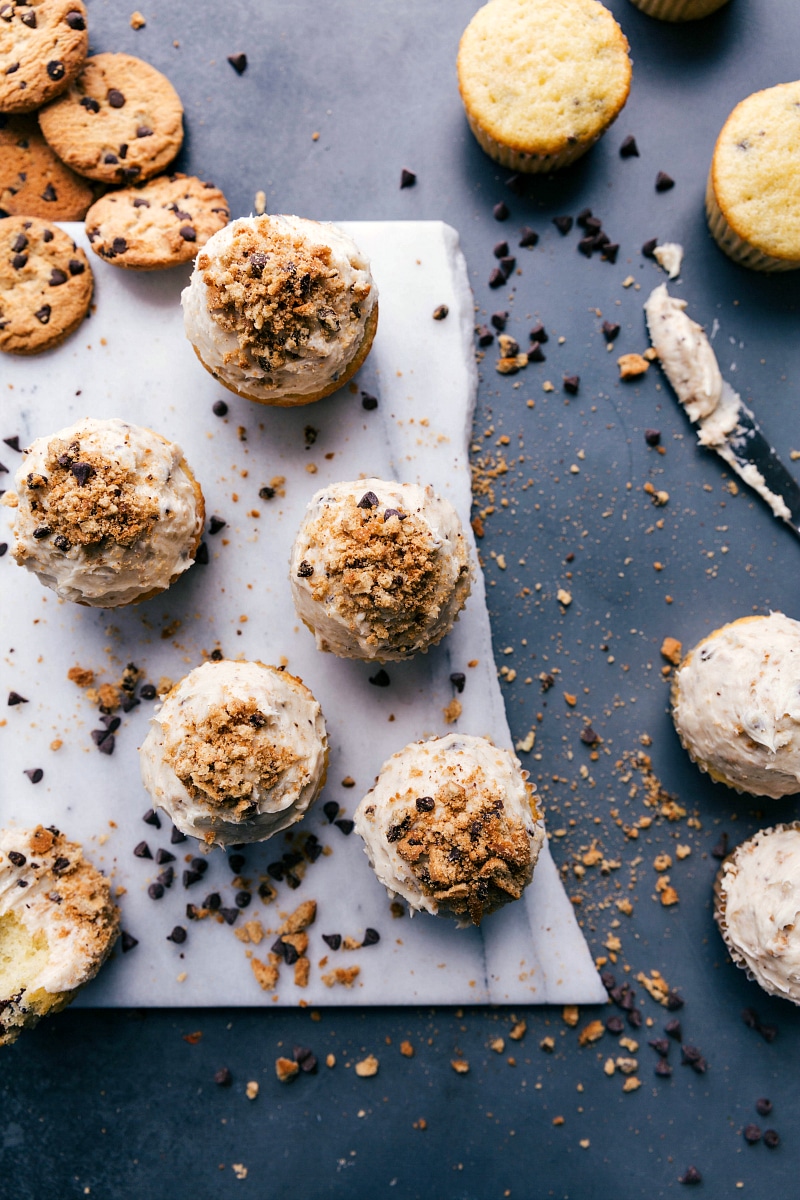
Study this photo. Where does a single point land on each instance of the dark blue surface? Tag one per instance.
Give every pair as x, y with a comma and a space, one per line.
114, 1104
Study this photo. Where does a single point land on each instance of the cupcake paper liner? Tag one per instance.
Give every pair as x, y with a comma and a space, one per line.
527, 163
741, 251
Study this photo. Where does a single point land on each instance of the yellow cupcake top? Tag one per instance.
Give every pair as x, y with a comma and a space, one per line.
538, 75
755, 171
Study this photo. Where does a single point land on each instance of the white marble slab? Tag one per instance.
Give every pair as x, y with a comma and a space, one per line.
131, 359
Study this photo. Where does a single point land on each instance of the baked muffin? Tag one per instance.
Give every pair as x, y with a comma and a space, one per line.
281, 309
542, 80
757, 908
754, 183
107, 513
736, 705
679, 10
452, 826
58, 924
236, 752
379, 570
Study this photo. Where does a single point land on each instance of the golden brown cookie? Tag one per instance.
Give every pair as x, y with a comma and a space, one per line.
161, 224
33, 182
120, 120
45, 285
43, 44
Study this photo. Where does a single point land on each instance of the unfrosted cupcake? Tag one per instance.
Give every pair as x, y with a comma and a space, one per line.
58, 924
451, 825
736, 705
542, 80
281, 309
236, 753
108, 513
679, 10
758, 909
379, 570
754, 183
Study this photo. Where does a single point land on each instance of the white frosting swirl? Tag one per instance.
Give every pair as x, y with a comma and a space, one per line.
313, 365
107, 574
380, 630
290, 729
736, 705
759, 910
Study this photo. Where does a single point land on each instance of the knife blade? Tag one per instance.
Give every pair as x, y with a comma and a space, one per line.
746, 450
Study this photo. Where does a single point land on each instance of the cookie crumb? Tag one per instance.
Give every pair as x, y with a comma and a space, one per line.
286, 1069
367, 1067
137, 20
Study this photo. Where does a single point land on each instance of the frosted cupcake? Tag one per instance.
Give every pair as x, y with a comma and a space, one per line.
542, 80
57, 925
451, 825
236, 753
379, 570
679, 10
758, 909
108, 513
736, 705
754, 182
281, 309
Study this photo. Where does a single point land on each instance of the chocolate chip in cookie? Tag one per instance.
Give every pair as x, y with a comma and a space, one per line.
120, 120
160, 224
42, 49
45, 285
33, 181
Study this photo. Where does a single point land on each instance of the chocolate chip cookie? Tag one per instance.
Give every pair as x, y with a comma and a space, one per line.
33, 182
45, 285
161, 224
43, 44
120, 120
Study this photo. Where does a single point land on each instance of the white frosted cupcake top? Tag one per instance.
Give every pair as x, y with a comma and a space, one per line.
379, 570
759, 912
106, 512
278, 305
737, 705
451, 826
236, 752
64, 905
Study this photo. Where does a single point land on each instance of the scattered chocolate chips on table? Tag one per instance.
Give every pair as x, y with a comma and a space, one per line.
407, 178
664, 182
238, 62
501, 212
628, 147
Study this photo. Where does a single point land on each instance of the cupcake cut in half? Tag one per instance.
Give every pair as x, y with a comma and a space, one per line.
281, 309
58, 925
736, 705
108, 513
452, 826
379, 570
236, 753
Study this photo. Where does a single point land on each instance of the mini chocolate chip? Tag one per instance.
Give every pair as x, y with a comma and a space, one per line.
368, 500
127, 941
20, 243
334, 940
29, 19
57, 277
191, 877
115, 98
155, 891
690, 1175
12, 70
539, 334
501, 212
662, 1067
236, 862
771, 1139
148, 691
176, 837
628, 148
407, 178
499, 320
664, 182
306, 1060
201, 556
223, 1077
380, 679
215, 524
178, 935
200, 865
305, 570
588, 736
751, 1134
331, 809
653, 438
507, 264
345, 825
119, 245
75, 20
89, 104
82, 471
484, 335
188, 233
615, 1025
660, 1045
110, 158
610, 252
440, 312
536, 354
76, 267
528, 237
15, 698
500, 250
371, 937
42, 532
458, 680
59, 866
129, 172
673, 1029
142, 850
497, 278
142, 131
674, 1001
106, 746
229, 915
370, 403
167, 876
219, 408
649, 247
49, 194
55, 69
18, 261
3, 548
635, 1019
35, 774
164, 856
571, 384
563, 225
587, 246
242, 899
238, 62
16, 858
763, 1106
720, 850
